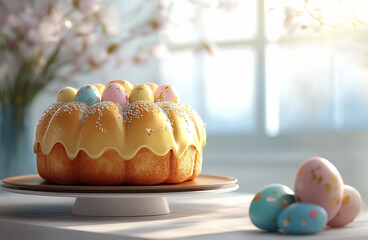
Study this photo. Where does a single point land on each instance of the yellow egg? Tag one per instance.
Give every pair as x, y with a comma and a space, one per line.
100, 87
126, 85
66, 94
141, 92
153, 86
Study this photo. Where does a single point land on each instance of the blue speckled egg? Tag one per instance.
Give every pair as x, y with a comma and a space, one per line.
268, 204
88, 94
302, 218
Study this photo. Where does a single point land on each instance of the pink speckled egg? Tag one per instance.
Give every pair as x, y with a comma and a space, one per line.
166, 92
318, 181
350, 207
114, 92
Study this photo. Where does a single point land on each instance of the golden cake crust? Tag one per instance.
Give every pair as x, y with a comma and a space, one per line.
145, 168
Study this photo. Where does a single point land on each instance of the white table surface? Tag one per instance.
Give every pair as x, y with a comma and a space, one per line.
220, 216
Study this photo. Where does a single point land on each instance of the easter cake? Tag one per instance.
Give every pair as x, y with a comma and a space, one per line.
119, 134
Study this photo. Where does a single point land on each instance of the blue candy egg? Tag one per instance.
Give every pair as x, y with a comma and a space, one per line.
302, 218
88, 94
268, 204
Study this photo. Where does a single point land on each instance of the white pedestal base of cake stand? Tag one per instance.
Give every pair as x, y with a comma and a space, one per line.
121, 204
120, 200
127, 207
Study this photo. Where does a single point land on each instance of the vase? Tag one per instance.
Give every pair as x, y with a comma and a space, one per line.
16, 130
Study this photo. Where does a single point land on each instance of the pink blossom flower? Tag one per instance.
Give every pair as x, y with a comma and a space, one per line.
12, 22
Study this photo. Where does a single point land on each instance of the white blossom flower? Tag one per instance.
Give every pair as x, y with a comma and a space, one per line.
88, 6
89, 40
51, 27
85, 28
100, 57
160, 50
228, 5
290, 21
109, 20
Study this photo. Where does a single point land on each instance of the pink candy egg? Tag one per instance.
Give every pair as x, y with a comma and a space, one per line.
114, 92
166, 93
318, 181
350, 207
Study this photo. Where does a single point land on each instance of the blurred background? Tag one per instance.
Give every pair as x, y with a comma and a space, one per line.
275, 81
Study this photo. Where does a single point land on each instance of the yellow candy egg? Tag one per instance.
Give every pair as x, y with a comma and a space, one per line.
100, 87
141, 92
66, 94
153, 86
126, 85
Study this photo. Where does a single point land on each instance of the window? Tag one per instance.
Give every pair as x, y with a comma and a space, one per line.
265, 92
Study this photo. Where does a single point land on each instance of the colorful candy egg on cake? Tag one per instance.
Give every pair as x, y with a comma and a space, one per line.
268, 204
88, 94
100, 87
141, 92
318, 181
302, 218
153, 86
350, 207
125, 84
166, 93
114, 92
66, 94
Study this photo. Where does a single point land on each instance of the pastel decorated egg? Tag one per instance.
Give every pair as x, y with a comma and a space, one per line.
141, 92
88, 94
100, 87
318, 181
153, 86
268, 204
126, 85
302, 218
350, 207
116, 93
66, 94
166, 93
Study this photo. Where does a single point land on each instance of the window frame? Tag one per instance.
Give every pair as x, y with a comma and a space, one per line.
284, 147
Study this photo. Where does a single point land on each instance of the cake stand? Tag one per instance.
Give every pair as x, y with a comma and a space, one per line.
122, 200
